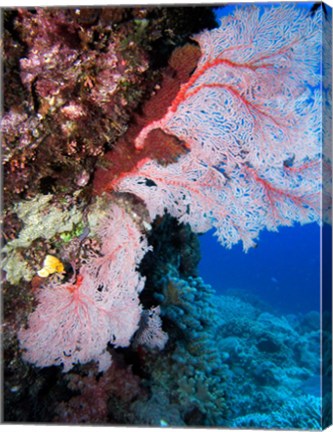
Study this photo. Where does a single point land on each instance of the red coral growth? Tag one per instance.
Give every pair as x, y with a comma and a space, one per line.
281, 200
91, 405
158, 145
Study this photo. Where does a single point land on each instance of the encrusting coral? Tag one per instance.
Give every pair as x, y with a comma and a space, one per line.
43, 218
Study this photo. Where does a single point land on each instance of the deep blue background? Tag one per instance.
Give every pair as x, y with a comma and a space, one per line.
227, 10
284, 270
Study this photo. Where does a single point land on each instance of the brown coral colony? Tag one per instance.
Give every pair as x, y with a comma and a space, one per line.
78, 76
74, 96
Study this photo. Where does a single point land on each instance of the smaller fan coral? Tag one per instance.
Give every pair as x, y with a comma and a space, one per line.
74, 322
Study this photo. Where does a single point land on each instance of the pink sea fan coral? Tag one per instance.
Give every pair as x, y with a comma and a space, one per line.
176, 188
68, 326
74, 322
250, 115
150, 333
248, 98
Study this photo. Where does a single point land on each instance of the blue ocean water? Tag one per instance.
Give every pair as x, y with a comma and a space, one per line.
228, 9
284, 270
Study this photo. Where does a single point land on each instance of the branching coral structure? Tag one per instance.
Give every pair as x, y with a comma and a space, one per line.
250, 115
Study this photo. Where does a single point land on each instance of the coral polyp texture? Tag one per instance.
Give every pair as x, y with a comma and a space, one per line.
129, 131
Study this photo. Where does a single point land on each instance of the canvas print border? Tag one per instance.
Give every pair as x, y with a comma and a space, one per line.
134, 139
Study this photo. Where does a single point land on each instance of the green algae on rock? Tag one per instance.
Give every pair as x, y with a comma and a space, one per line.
41, 219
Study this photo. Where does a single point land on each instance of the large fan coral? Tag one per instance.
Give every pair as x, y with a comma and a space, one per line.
250, 115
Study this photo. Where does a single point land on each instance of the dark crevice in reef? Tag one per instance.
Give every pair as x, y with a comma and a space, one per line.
175, 248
